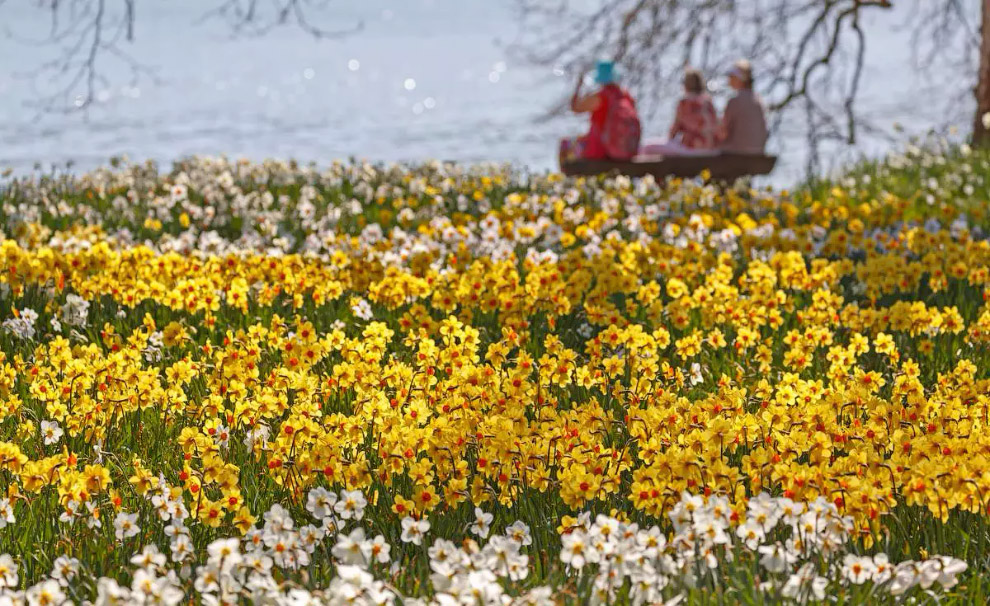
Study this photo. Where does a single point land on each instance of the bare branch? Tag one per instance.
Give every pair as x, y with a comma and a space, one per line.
258, 17
857, 75
810, 54
87, 33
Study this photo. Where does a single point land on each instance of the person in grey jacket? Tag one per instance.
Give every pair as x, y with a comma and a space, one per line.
744, 125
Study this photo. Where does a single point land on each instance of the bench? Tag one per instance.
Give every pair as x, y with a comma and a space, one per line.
722, 166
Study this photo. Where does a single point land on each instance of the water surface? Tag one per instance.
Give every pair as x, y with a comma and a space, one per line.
423, 79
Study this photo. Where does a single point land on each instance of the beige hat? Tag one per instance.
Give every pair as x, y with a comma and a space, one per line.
743, 70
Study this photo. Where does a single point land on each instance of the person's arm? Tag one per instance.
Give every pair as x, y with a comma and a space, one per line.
727, 123
676, 127
588, 103
582, 104
711, 125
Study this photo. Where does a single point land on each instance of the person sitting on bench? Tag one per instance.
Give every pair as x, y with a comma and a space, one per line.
695, 125
615, 129
744, 125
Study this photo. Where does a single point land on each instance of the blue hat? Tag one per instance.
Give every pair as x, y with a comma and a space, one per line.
605, 73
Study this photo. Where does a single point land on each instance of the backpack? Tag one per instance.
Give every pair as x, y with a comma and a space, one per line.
622, 129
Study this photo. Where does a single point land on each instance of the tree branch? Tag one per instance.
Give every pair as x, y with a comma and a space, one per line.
258, 17
87, 32
799, 47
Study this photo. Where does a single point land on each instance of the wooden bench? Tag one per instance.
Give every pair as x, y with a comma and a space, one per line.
721, 166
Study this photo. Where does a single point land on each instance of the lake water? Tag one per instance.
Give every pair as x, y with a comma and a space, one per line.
424, 79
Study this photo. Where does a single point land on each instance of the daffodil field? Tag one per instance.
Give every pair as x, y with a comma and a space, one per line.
281, 384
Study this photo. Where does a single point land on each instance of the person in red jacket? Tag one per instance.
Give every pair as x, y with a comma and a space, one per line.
591, 146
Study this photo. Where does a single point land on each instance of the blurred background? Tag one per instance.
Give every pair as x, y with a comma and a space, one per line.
396, 81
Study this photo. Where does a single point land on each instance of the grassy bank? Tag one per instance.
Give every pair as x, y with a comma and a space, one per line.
368, 384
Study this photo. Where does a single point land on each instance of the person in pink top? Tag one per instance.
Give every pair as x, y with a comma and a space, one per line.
695, 127
696, 123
